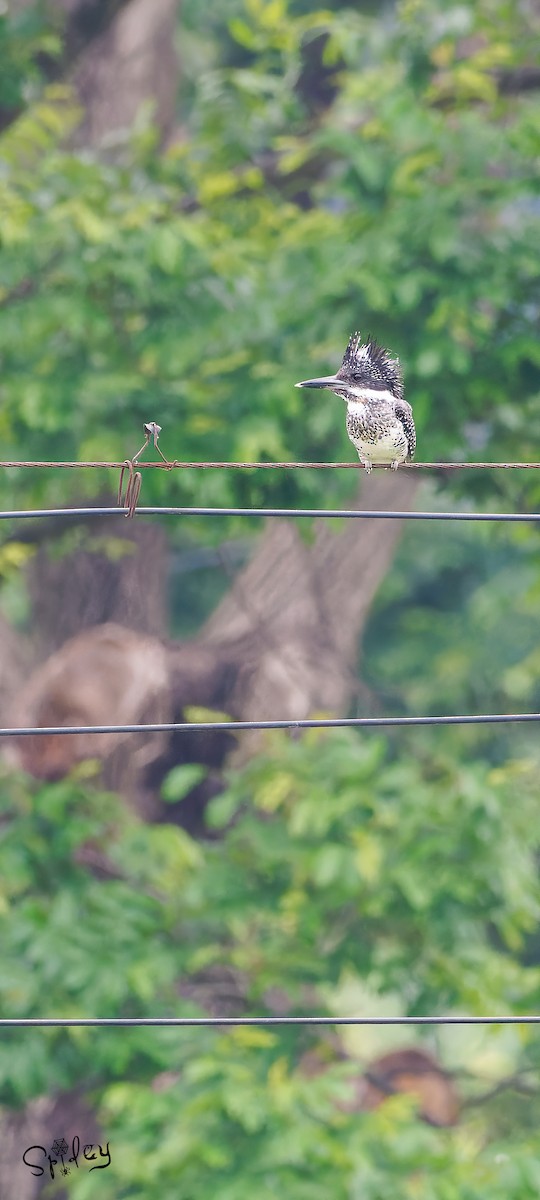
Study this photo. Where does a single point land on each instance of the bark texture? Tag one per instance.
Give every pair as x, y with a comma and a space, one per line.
109, 570
39, 1124
130, 63
283, 644
14, 663
295, 615
119, 54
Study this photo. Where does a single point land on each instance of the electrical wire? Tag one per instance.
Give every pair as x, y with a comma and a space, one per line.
276, 466
316, 513
240, 726
345, 722
189, 1022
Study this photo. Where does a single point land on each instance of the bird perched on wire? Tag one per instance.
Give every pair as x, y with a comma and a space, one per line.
379, 420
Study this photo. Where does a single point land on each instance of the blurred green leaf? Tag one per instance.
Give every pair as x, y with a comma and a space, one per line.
181, 780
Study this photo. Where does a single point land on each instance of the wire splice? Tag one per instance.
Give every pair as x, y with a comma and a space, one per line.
311, 513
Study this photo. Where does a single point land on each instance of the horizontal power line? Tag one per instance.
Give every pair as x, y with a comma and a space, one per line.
246, 725
238, 726
55, 1022
280, 466
316, 513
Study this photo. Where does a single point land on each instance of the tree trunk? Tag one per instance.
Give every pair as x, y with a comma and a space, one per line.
282, 645
108, 570
132, 63
121, 55
14, 663
44, 1119
296, 613
284, 642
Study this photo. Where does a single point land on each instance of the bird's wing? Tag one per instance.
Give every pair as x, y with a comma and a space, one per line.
404, 414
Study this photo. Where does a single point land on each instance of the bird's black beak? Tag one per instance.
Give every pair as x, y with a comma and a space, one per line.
326, 381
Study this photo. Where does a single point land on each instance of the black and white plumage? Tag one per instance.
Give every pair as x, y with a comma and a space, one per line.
379, 420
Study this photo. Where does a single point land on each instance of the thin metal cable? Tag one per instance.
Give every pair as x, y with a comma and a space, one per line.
363, 722
334, 513
237, 726
55, 1022
278, 466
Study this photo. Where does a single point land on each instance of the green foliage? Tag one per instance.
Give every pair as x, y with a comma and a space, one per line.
347, 861
26, 42
343, 882
181, 780
77, 942
187, 286
455, 629
339, 169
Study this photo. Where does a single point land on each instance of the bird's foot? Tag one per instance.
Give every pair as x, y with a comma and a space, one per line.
366, 465
394, 465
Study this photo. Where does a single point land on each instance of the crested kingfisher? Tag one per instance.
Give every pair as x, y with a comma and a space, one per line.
379, 420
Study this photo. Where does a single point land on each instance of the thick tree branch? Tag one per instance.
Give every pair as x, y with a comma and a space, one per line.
518, 79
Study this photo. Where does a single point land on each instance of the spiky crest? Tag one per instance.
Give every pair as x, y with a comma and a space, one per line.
371, 364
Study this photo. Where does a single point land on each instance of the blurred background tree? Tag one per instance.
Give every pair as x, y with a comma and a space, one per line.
199, 204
